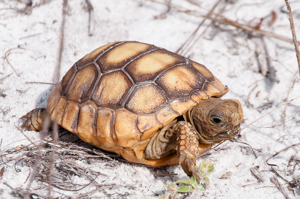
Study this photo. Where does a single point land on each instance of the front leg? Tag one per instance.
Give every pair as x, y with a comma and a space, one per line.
189, 148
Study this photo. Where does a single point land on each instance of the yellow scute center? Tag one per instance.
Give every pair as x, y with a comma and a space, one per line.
111, 88
146, 99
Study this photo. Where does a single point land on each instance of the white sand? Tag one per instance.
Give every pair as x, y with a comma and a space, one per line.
30, 44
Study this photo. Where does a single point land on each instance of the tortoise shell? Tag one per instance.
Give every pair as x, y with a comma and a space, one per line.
118, 96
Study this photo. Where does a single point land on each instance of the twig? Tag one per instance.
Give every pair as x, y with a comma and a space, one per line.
57, 76
293, 32
8, 53
280, 152
190, 38
91, 14
39, 83
279, 187
270, 112
284, 111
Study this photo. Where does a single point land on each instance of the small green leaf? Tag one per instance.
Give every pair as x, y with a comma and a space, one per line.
192, 180
198, 186
184, 181
206, 180
211, 168
184, 189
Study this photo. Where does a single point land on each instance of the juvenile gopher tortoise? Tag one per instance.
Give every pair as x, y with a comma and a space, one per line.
145, 103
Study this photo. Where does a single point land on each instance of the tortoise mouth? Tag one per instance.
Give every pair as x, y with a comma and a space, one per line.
226, 135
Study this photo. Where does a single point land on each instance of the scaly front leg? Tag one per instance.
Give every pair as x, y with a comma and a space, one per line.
189, 148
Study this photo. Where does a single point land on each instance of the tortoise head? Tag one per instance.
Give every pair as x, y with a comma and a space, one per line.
217, 120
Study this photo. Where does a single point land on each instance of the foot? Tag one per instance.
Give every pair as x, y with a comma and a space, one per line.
189, 148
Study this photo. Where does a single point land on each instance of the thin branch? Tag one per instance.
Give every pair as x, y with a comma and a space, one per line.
270, 112
293, 33
57, 76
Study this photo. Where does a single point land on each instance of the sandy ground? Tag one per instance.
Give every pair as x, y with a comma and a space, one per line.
260, 71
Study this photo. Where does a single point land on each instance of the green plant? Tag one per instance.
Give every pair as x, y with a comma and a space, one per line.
189, 185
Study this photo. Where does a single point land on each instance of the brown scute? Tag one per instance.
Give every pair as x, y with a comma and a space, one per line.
203, 70
70, 119
218, 85
89, 57
199, 95
67, 78
105, 131
125, 128
182, 106
146, 99
129, 155
82, 84
111, 89
120, 55
148, 66
212, 91
147, 125
59, 110
166, 115
180, 81
86, 123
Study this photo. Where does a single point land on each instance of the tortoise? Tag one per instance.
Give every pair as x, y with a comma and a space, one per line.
145, 103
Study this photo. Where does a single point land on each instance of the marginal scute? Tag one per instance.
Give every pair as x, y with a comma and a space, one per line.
111, 89
125, 128
59, 110
148, 66
82, 83
70, 119
212, 91
180, 81
129, 155
118, 56
199, 95
166, 115
146, 99
203, 70
182, 106
86, 123
89, 57
105, 130
218, 85
148, 126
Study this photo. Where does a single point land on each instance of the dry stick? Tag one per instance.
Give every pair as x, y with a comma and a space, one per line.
8, 53
189, 40
270, 112
91, 13
284, 111
57, 76
293, 32
279, 187
203, 30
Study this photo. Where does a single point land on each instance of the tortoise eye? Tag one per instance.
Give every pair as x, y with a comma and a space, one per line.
216, 120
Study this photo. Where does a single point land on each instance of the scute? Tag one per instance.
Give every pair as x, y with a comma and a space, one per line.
146, 99
180, 81
111, 88
82, 83
117, 57
148, 66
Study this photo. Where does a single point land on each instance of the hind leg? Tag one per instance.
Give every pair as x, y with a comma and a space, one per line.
34, 119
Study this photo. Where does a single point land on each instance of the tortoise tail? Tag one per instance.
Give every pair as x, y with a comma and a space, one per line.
33, 120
